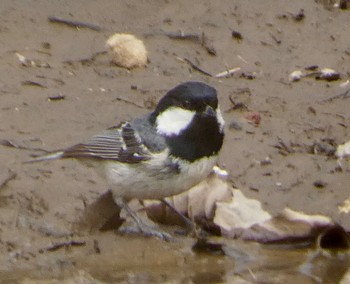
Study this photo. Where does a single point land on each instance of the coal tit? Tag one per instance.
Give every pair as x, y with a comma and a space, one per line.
160, 154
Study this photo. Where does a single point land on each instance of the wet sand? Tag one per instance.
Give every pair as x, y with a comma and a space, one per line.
40, 202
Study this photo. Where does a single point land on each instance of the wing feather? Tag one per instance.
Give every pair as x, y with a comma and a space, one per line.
120, 143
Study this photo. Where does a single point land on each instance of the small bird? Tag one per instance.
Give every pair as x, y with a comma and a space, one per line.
161, 154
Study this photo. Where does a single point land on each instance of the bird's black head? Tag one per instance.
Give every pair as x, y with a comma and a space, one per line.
189, 119
193, 96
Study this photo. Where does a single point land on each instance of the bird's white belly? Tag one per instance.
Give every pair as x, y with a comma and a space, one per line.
154, 180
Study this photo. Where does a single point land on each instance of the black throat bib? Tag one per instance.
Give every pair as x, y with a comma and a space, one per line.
203, 138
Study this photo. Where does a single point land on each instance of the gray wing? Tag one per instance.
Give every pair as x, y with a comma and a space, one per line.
148, 133
121, 143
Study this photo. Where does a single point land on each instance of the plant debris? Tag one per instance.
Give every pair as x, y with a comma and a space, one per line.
182, 35
227, 73
194, 66
33, 83
66, 245
343, 95
58, 97
326, 74
26, 62
75, 24
127, 51
201, 39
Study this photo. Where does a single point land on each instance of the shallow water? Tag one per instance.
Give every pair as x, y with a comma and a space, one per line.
122, 259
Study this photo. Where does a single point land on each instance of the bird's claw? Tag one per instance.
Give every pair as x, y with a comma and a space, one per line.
149, 232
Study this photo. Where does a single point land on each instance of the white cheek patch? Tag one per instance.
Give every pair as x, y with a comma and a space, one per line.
173, 121
220, 119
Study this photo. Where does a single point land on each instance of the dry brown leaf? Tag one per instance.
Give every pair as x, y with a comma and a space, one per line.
239, 213
236, 215
199, 201
288, 226
202, 198
244, 218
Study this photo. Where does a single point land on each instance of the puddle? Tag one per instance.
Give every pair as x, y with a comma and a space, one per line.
133, 259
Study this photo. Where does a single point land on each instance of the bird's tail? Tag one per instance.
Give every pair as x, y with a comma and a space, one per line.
46, 157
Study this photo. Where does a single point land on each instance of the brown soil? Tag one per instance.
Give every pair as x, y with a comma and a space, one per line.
39, 202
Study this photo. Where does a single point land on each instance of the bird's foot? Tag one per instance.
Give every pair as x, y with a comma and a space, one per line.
145, 229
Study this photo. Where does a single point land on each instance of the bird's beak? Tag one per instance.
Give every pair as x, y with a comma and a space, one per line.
209, 111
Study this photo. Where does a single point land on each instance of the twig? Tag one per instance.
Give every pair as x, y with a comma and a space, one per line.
195, 67
33, 83
283, 148
76, 24
8, 143
4, 183
236, 106
227, 72
182, 35
241, 58
344, 95
66, 245
277, 41
202, 39
86, 60
56, 97
119, 99
207, 44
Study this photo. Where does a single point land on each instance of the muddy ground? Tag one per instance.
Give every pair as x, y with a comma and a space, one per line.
39, 202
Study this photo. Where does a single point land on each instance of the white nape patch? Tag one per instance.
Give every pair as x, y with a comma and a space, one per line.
173, 120
220, 119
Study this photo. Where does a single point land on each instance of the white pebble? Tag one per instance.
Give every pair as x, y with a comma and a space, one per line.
295, 75
343, 150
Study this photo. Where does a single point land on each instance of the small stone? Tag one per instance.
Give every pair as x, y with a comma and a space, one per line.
328, 74
237, 35
266, 161
235, 125
320, 184
295, 76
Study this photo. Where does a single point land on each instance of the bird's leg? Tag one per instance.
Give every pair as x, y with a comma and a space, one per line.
145, 229
190, 227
